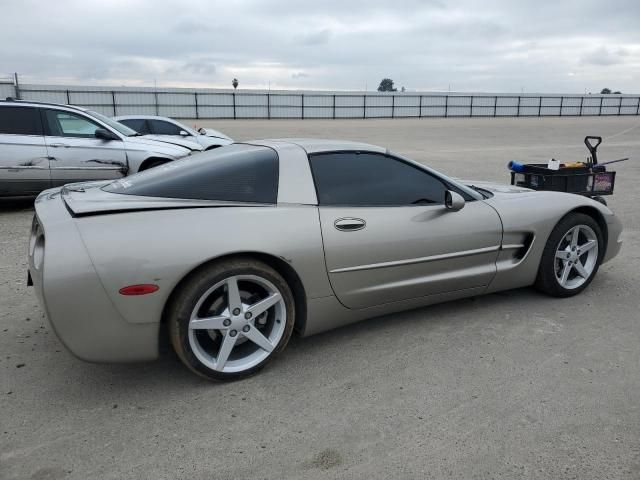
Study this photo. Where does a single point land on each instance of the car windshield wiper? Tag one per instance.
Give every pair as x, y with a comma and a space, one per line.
136, 134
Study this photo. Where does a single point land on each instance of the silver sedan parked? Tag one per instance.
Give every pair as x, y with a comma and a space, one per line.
233, 255
170, 128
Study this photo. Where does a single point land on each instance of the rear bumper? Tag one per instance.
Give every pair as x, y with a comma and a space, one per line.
72, 296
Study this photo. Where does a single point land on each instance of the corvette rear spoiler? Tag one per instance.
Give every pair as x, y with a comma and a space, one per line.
83, 199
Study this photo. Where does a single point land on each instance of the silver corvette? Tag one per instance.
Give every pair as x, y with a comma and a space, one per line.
236, 248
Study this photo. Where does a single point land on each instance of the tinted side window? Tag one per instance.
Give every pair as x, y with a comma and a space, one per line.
66, 124
164, 128
236, 173
353, 178
20, 121
137, 124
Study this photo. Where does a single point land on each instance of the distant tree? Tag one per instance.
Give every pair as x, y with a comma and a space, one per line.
605, 91
386, 85
617, 92
235, 83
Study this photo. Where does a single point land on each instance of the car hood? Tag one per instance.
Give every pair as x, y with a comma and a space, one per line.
175, 140
496, 188
152, 145
88, 198
210, 132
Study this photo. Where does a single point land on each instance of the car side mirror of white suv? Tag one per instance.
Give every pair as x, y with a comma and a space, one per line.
104, 134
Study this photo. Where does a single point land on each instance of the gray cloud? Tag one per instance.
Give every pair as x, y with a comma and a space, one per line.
604, 57
496, 45
316, 38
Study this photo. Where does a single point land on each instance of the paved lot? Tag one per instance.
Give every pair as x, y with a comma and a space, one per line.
510, 385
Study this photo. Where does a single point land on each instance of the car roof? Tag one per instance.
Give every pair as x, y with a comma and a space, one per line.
317, 145
145, 117
27, 103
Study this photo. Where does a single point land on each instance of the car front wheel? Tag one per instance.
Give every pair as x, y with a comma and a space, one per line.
230, 319
571, 256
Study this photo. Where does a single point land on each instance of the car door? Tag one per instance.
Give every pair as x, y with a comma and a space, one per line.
74, 151
388, 236
24, 163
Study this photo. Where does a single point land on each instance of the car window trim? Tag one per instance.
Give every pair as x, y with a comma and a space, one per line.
387, 155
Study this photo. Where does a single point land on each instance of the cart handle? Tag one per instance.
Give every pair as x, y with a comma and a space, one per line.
592, 148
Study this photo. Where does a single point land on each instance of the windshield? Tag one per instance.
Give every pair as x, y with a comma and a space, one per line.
123, 129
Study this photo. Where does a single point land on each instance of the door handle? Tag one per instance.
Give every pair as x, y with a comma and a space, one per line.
349, 224
59, 145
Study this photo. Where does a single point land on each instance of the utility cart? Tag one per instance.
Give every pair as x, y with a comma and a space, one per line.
588, 178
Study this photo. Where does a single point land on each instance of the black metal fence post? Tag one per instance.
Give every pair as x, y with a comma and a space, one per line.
393, 106
518, 109
446, 106
620, 106
113, 99
495, 105
600, 111
471, 107
561, 104
16, 86
539, 106
68, 98
364, 106
334, 106
303, 106
195, 97
234, 105
638, 108
269, 105
155, 94
420, 106
581, 103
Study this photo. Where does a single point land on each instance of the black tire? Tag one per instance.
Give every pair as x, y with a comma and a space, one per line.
196, 285
546, 281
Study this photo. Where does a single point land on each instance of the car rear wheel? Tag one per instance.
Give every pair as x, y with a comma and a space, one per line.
230, 319
571, 256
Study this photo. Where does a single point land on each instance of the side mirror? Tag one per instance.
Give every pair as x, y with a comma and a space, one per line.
453, 201
202, 131
104, 134
183, 133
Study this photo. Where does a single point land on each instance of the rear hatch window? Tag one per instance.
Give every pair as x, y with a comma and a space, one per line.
235, 173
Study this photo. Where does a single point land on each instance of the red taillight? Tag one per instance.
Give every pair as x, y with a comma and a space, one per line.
142, 289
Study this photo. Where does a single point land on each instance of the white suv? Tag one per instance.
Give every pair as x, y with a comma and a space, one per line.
45, 145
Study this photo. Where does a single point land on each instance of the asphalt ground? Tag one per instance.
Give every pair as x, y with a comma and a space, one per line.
509, 385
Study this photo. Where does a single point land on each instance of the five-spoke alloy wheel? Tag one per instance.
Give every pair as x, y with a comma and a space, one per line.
571, 257
230, 318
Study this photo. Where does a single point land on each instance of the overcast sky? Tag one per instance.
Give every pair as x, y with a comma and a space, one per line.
467, 45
